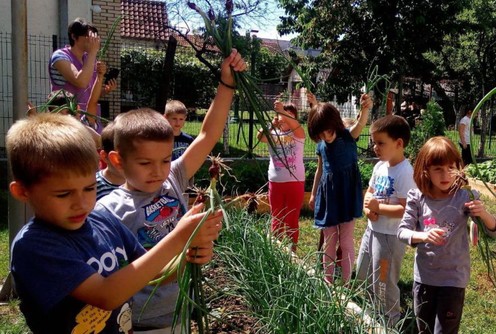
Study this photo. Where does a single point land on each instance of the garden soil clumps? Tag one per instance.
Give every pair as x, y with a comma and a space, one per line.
224, 303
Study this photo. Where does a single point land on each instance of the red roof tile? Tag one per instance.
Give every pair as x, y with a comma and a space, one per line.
144, 19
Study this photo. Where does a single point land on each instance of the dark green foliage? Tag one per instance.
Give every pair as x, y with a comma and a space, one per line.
248, 176
193, 83
366, 168
431, 124
487, 171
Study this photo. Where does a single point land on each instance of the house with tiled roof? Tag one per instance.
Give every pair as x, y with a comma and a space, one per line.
144, 21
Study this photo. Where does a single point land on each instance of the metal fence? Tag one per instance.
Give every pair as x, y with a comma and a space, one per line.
39, 51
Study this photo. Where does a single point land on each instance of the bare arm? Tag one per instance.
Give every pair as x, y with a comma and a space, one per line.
110, 292
389, 210
216, 117
371, 215
261, 135
365, 106
316, 180
92, 105
461, 133
81, 78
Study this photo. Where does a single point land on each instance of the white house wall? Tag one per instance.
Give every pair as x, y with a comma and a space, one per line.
43, 21
43, 15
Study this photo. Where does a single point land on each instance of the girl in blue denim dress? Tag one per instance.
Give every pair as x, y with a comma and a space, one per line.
337, 188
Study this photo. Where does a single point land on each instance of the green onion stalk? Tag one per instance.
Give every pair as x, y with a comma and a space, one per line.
373, 79
487, 255
103, 50
485, 251
246, 84
191, 302
70, 105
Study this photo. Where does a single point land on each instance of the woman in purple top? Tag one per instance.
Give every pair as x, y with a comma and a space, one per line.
73, 67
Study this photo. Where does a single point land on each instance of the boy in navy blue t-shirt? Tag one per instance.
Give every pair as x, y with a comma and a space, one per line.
75, 270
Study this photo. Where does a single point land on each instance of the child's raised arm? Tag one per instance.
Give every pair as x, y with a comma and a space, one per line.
110, 292
365, 106
216, 117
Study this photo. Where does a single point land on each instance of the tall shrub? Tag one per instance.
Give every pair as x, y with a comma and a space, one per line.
141, 69
429, 125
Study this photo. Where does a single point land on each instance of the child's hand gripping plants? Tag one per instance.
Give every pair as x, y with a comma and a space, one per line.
486, 253
477, 235
373, 80
191, 302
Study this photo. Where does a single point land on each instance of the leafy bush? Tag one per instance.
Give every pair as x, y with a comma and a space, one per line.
247, 176
487, 171
142, 72
251, 175
366, 168
431, 124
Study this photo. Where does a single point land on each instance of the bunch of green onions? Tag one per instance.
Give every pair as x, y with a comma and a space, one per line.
373, 79
246, 84
103, 50
191, 302
487, 255
70, 105
485, 251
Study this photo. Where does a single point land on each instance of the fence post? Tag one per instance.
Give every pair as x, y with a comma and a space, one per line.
55, 43
17, 214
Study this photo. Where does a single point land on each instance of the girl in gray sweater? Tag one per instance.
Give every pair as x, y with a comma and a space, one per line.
435, 222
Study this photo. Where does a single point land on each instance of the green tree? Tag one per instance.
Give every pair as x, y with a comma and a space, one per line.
468, 56
432, 124
353, 35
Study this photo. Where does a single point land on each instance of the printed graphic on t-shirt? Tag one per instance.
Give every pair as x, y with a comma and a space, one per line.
109, 261
179, 148
285, 148
384, 188
160, 219
442, 219
93, 320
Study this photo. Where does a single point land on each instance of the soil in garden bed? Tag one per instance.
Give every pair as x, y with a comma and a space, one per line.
235, 314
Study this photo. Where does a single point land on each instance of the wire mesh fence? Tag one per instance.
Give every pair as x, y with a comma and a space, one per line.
236, 140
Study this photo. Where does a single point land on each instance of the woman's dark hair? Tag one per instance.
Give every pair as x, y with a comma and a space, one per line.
79, 27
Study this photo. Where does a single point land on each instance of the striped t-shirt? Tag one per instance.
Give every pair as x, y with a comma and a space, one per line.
103, 186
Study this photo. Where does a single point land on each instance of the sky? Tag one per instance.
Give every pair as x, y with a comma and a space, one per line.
268, 28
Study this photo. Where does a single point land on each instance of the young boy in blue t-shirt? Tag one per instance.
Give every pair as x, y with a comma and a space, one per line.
75, 270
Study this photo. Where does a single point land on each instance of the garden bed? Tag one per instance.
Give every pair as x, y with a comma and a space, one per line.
481, 187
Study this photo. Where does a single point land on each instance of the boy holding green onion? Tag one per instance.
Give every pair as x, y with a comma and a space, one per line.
151, 201
76, 270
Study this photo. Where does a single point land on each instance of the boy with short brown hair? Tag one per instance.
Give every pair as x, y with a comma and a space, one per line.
75, 270
176, 113
151, 200
381, 252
